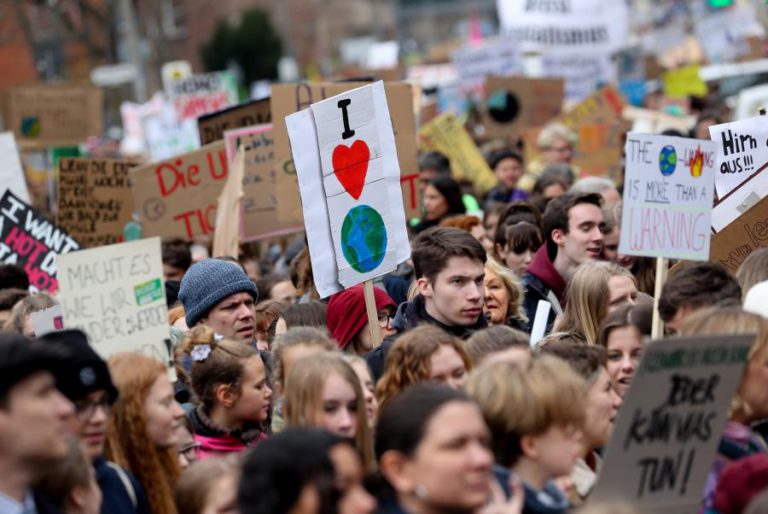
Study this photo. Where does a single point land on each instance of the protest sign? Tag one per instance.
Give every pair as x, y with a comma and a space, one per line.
32, 242
670, 422
668, 195
95, 200
575, 26
739, 200
515, 103
202, 94
259, 205
166, 136
54, 114
684, 82
290, 98
723, 33
11, 172
132, 114
115, 294
742, 149
47, 320
582, 72
212, 126
447, 135
345, 147
749, 232
475, 63
177, 196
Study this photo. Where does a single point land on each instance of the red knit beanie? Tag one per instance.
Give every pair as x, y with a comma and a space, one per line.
740, 482
346, 314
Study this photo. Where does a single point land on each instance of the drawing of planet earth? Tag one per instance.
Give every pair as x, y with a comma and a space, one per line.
667, 160
363, 238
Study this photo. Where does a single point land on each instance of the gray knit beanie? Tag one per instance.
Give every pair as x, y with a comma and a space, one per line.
208, 282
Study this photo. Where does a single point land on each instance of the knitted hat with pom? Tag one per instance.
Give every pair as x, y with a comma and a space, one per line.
208, 282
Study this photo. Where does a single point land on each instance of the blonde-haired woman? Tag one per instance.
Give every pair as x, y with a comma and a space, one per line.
596, 289
142, 430
323, 391
503, 296
750, 404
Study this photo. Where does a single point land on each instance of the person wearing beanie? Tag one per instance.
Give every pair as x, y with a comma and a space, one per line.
33, 416
347, 319
219, 294
88, 385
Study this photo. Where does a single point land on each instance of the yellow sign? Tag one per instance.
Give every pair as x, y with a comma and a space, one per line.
684, 82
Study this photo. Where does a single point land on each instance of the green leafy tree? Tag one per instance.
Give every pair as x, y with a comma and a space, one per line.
254, 45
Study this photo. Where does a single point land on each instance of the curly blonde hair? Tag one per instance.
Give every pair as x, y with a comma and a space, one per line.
128, 444
408, 361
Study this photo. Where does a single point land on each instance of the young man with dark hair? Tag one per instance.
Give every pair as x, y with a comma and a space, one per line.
449, 269
13, 276
573, 234
696, 285
177, 258
33, 417
507, 166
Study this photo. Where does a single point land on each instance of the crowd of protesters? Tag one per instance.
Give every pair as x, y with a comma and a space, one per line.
280, 402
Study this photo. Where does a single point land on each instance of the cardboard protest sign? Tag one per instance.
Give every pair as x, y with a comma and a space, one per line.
115, 294
447, 135
582, 72
740, 200
47, 320
670, 423
212, 126
359, 176
177, 196
95, 200
54, 114
742, 149
290, 98
11, 172
204, 93
475, 63
747, 233
259, 218
31, 241
516, 103
575, 26
668, 194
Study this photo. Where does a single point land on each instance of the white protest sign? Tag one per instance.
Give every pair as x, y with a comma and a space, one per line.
11, 172
202, 94
361, 180
670, 423
166, 136
47, 320
742, 149
115, 294
583, 72
739, 200
668, 193
475, 63
570, 26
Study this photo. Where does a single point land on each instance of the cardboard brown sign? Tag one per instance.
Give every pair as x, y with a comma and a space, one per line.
289, 98
515, 103
212, 126
95, 200
178, 196
59, 114
743, 236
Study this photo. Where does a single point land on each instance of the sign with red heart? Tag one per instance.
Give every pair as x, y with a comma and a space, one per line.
350, 164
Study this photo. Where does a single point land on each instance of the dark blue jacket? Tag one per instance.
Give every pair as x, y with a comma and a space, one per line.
121, 491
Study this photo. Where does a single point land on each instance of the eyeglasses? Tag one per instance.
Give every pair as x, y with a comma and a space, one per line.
85, 409
189, 451
384, 319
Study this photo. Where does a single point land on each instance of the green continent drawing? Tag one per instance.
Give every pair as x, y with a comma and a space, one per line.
363, 238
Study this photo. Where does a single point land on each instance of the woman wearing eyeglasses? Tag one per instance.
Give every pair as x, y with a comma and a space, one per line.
89, 386
347, 319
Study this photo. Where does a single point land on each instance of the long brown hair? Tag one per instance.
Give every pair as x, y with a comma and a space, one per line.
128, 443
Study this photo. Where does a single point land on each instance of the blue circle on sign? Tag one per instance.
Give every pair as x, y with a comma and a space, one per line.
667, 160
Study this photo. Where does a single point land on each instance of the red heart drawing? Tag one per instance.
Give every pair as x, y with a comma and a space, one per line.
350, 164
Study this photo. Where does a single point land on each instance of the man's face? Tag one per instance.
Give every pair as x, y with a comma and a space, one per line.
584, 240
455, 296
559, 151
233, 317
508, 172
172, 273
33, 423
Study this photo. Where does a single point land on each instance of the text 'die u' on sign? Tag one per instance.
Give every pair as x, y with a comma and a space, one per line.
346, 148
668, 192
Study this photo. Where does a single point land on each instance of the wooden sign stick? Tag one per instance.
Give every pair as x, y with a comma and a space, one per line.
657, 328
373, 314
